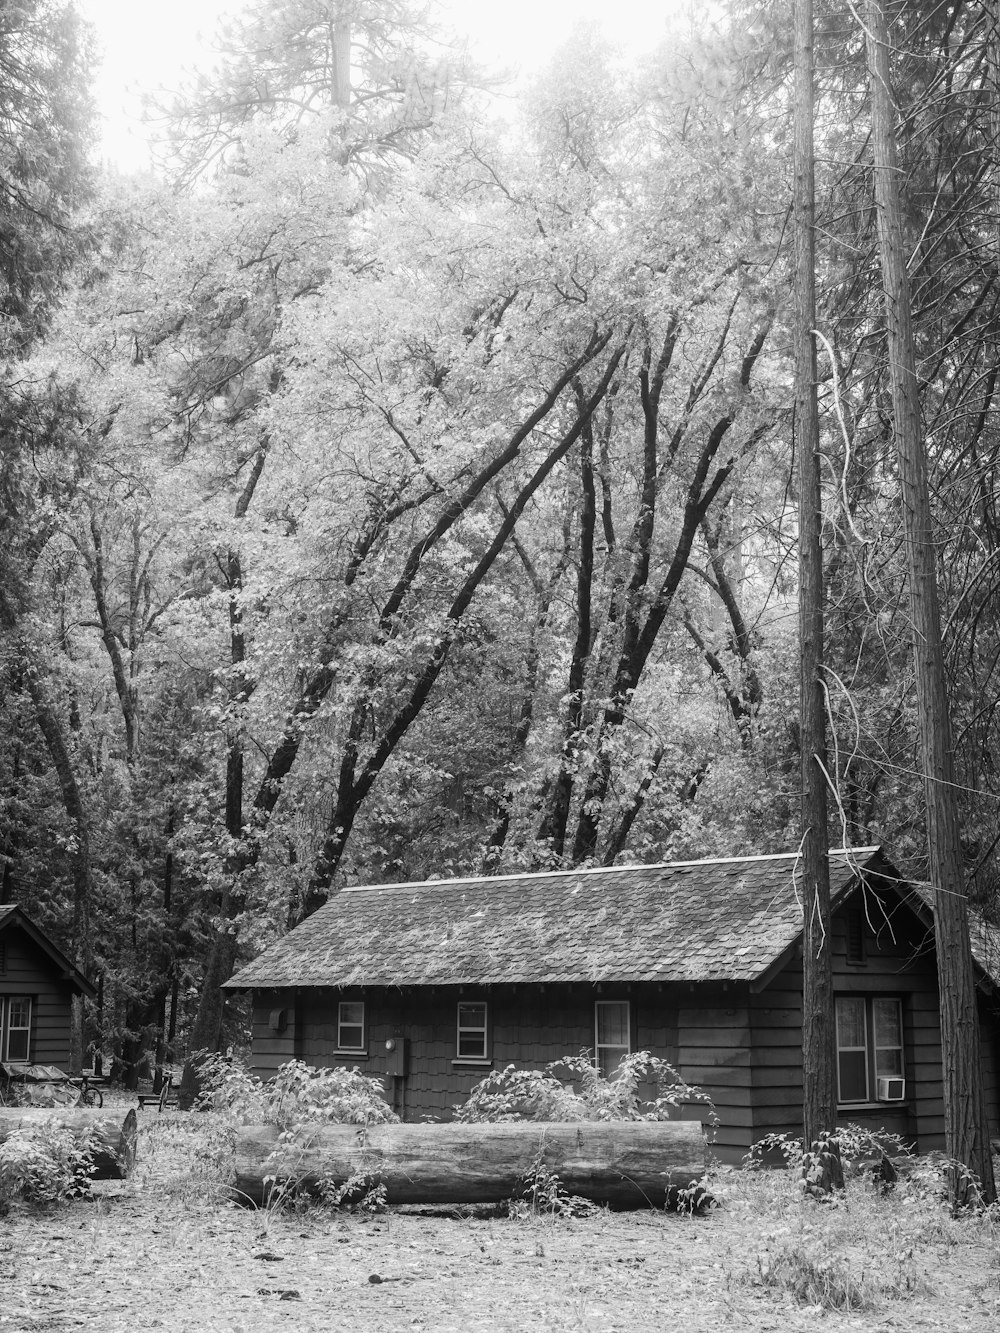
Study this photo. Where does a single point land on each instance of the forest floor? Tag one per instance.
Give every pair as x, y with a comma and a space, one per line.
166, 1250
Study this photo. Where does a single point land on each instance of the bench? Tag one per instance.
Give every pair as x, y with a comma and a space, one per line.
167, 1096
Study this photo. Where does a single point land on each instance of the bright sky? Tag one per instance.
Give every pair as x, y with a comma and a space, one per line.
148, 46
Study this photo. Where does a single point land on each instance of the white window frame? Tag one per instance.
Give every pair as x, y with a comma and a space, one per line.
872, 1052
6, 1010
877, 1050
469, 1033
345, 1023
600, 1046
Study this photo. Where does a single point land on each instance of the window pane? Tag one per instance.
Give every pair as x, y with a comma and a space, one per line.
888, 1028
472, 1030
351, 1025
472, 1015
853, 1066
889, 1062
851, 1023
613, 1023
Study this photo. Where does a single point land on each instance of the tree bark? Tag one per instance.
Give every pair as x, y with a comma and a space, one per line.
966, 1125
819, 1084
627, 1164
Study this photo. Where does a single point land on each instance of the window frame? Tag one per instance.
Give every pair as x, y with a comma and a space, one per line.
872, 1051
7, 1003
468, 1030
343, 1023
600, 1046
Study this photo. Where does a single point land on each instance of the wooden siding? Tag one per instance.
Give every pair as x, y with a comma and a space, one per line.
703, 1036
29, 971
898, 960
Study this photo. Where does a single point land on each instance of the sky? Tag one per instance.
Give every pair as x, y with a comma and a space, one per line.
145, 47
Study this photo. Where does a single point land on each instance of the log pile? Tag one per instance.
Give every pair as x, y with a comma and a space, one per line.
113, 1140
626, 1164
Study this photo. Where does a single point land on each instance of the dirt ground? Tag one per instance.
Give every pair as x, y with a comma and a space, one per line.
165, 1250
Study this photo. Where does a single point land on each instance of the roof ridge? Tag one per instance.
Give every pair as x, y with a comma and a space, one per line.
600, 870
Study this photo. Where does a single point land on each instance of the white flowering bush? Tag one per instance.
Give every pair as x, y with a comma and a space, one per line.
574, 1089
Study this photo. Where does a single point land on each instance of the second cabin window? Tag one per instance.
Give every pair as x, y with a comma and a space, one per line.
612, 1034
351, 1025
869, 1045
472, 1030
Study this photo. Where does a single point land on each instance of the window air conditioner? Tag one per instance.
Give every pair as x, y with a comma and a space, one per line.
891, 1089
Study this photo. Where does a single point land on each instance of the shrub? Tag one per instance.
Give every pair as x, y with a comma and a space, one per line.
574, 1089
44, 1163
297, 1094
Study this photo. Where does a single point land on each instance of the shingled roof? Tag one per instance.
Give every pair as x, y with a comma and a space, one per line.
717, 920
12, 915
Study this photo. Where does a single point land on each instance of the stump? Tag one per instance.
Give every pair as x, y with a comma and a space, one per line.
113, 1140
626, 1164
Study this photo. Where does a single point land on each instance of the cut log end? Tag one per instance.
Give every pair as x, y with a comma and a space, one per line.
112, 1141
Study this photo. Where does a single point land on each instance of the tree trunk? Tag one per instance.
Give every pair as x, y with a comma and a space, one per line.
819, 1086
628, 1164
966, 1126
113, 1140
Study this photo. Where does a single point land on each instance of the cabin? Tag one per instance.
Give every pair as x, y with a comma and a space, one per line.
433, 985
37, 986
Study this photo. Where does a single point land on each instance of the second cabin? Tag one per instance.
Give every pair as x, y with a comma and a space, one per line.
433, 985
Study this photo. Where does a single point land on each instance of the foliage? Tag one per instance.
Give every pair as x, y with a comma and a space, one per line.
541, 1194
44, 1163
298, 1094
581, 1092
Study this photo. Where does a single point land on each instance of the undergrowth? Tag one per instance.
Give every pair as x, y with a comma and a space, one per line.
862, 1246
44, 1163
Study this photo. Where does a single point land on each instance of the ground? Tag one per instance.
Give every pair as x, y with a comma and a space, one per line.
166, 1250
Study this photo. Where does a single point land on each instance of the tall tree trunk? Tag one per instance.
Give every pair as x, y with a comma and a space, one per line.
55, 742
206, 1030
966, 1125
819, 1085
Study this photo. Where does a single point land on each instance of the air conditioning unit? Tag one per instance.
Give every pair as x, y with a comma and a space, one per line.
891, 1089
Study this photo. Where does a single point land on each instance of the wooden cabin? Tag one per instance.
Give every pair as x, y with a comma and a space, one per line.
37, 986
433, 985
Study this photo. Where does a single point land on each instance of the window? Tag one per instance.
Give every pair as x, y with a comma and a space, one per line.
472, 1031
612, 1034
869, 1044
351, 1025
17, 1031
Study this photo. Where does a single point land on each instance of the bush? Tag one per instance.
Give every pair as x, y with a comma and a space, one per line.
44, 1163
574, 1089
298, 1093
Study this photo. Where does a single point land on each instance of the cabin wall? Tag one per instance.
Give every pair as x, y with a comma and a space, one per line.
275, 1031
28, 970
702, 1032
898, 960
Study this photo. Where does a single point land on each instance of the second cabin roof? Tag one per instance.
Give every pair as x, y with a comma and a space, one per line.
713, 920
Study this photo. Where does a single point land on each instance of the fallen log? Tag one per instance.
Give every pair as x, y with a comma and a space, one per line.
627, 1164
113, 1140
